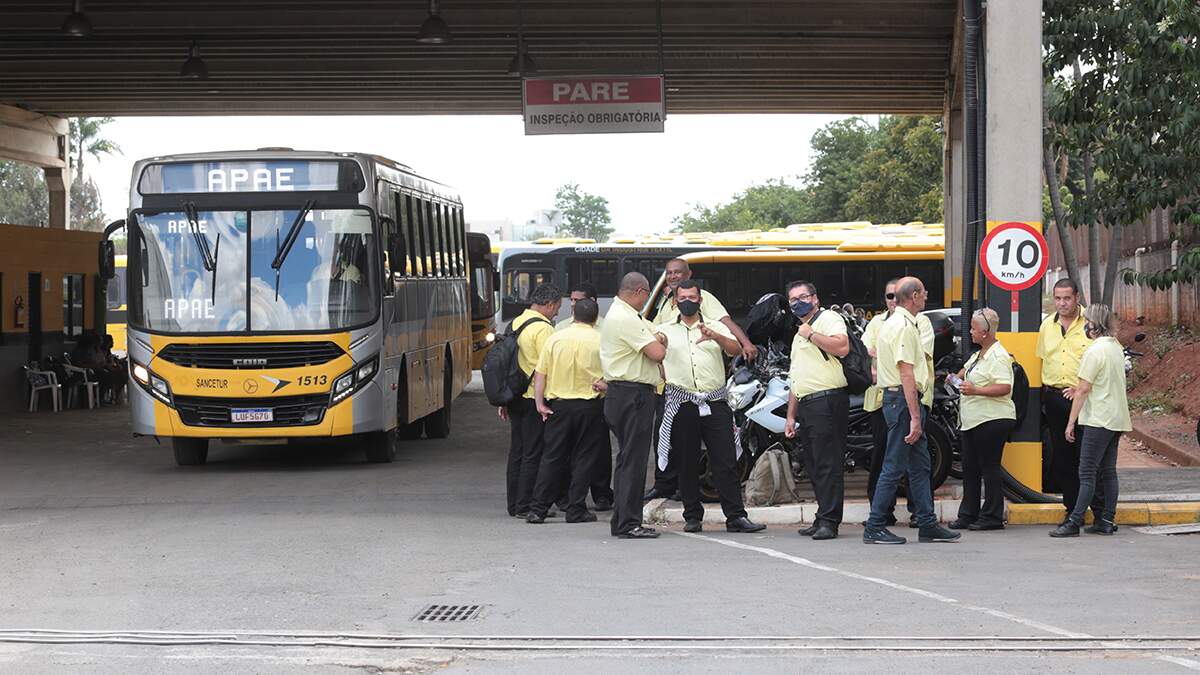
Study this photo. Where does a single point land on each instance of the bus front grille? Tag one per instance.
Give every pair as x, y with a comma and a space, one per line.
251, 356
288, 411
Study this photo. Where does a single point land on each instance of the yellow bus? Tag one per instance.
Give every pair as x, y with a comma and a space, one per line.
116, 304
277, 294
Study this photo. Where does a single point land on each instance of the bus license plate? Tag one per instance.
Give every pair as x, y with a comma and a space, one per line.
252, 415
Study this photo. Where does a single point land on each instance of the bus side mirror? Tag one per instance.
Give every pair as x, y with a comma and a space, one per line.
108, 260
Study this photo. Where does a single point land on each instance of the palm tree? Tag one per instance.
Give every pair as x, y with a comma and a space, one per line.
85, 137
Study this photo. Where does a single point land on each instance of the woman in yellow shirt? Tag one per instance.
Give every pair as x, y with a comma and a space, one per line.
987, 416
1102, 412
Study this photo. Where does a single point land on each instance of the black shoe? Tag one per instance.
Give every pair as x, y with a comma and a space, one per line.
562, 506
890, 521
824, 532
535, 518
693, 526
1067, 529
743, 524
551, 513
603, 506
1101, 526
639, 533
960, 524
912, 522
980, 526
881, 536
937, 533
809, 531
656, 493
585, 517
521, 514
676, 496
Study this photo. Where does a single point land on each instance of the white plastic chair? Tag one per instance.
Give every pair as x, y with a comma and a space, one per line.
88, 382
43, 380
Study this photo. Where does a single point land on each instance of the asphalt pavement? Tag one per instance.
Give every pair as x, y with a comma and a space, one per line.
306, 558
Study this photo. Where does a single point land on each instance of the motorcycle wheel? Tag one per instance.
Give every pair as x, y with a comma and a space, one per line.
940, 456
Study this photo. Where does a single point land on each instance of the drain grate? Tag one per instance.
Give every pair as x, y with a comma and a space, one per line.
448, 613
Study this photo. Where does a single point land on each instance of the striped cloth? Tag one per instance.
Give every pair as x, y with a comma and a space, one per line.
677, 396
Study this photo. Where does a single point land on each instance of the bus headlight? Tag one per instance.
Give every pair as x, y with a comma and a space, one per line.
354, 379
152, 384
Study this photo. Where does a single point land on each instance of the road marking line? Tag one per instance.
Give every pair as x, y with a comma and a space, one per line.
1179, 661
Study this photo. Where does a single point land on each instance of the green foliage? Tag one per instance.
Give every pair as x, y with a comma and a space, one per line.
772, 204
886, 174
1125, 121
584, 215
84, 133
24, 199
87, 213
901, 175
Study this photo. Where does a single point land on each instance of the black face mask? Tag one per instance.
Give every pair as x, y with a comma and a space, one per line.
688, 307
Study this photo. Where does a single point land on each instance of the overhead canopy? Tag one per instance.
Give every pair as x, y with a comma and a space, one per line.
358, 57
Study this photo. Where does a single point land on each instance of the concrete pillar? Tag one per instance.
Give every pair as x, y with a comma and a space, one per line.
1013, 74
58, 182
954, 202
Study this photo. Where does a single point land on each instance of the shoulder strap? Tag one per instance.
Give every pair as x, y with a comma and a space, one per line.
813, 323
517, 332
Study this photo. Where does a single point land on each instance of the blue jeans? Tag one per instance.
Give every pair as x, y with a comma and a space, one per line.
900, 458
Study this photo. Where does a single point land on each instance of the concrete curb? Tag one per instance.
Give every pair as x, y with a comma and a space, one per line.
1128, 513
1180, 456
662, 512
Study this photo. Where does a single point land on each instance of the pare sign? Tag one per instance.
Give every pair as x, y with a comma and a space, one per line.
593, 105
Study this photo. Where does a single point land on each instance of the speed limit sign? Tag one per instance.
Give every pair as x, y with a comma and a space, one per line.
1014, 256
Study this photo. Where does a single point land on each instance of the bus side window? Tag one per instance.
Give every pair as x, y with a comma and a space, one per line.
460, 243
444, 238
435, 244
421, 237
398, 239
602, 273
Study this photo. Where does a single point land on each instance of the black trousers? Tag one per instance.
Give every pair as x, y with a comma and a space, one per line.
1064, 460
823, 424
629, 411
601, 477
982, 449
1097, 467
524, 454
716, 430
575, 438
665, 480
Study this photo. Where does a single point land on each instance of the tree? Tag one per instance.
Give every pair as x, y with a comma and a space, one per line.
900, 177
24, 199
1122, 126
772, 204
583, 215
85, 138
838, 151
87, 213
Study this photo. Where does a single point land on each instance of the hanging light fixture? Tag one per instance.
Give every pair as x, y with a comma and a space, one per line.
194, 67
434, 31
77, 24
522, 64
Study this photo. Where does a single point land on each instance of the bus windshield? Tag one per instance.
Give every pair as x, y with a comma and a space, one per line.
328, 281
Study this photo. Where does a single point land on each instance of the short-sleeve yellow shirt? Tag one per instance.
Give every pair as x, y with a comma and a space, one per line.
873, 396
710, 308
530, 342
994, 368
900, 341
696, 366
622, 338
1061, 351
813, 370
570, 360
1103, 365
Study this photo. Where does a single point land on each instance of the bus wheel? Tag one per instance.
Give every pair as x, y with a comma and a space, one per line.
437, 424
381, 446
411, 431
190, 451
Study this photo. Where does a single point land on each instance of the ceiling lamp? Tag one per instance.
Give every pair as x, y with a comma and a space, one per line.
194, 67
434, 31
77, 24
515, 67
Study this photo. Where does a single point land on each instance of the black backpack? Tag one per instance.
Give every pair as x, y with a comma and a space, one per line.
856, 365
1020, 391
503, 379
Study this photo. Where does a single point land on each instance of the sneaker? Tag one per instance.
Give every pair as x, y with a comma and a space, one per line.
693, 526
1067, 529
881, 536
937, 533
1101, 526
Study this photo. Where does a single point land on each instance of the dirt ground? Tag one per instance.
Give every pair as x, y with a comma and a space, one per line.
1168, 375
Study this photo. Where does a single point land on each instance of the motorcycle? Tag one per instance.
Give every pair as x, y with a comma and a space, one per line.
758, 397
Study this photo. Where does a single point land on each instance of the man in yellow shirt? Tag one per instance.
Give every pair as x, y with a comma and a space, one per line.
568, 388
630, 354
904, 373
1061, 343
525, 449
873, 397
820, 403
695, 410
580, 291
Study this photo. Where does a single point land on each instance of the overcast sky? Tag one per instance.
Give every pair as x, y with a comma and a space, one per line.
648, 179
